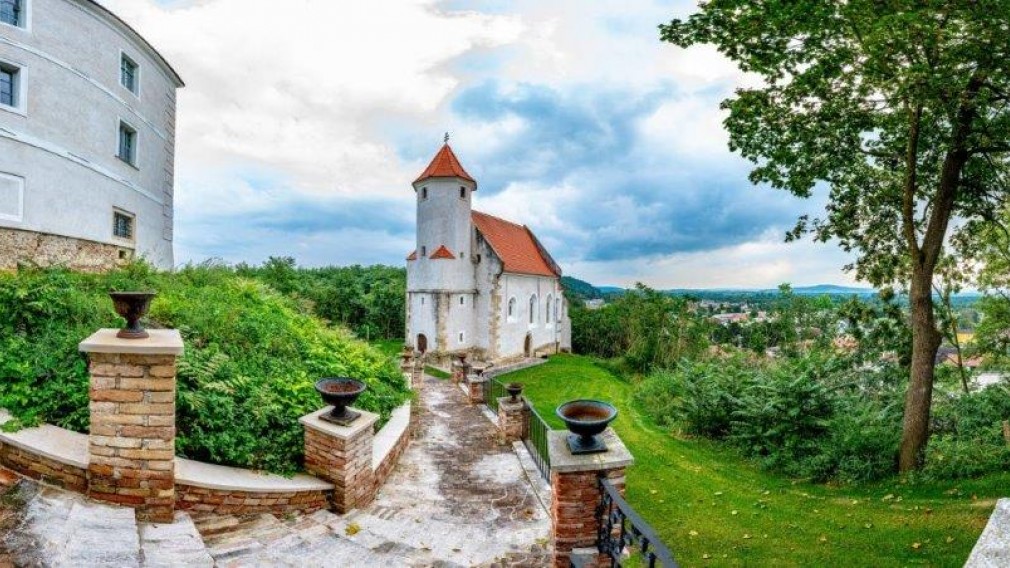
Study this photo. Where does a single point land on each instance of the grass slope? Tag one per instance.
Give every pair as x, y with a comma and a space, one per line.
713, 508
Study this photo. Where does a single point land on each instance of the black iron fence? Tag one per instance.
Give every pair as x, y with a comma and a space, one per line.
493, 390
536, 442
622, 528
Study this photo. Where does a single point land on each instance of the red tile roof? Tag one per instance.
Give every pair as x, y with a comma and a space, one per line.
442, 252
516, 245
412, 256
445, 164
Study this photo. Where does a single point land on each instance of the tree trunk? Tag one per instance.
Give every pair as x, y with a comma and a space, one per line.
918, 399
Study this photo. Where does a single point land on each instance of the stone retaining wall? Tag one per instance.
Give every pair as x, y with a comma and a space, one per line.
29, 247
41, 468
393, 457
223, 502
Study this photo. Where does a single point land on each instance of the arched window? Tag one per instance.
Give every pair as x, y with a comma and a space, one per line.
533, 309
511, 309
557, 311
550, 308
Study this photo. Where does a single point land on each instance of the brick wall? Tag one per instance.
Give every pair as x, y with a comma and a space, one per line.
346, 462
575, 496
223, 502
132, 438
393, 457
513, 418
41, 468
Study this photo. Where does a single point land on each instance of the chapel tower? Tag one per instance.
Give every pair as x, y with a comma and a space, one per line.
441, 281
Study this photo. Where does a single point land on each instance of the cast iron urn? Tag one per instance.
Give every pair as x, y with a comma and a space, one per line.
340, 392
132, 306
514, 390
586, 420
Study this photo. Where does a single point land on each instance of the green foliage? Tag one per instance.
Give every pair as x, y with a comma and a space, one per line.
251, 358
803, 417
369, 300
969, 436
578, 291
649, 329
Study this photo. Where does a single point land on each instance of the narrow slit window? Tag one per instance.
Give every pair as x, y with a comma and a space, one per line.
127, 144
462, 193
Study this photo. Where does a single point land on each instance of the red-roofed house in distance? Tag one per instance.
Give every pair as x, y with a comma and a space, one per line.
478, 284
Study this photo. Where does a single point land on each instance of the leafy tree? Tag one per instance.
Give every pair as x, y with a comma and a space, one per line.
900, 108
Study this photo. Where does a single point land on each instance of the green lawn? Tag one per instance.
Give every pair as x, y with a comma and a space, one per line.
714, 508
391, 347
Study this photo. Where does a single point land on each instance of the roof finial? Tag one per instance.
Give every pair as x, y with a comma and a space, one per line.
446, 137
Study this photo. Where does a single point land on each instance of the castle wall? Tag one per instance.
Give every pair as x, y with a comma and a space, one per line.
59, 174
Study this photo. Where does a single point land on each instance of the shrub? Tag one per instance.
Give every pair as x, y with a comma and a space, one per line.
782, 417
247, 375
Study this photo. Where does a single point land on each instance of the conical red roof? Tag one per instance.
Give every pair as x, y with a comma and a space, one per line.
445, 164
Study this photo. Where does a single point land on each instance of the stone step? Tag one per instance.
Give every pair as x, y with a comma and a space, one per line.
171, 545
100, 535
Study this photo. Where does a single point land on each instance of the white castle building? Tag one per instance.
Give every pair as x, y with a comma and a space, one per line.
478, 284
87, 138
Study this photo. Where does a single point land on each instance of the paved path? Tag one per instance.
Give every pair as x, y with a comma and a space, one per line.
459, 497
460, 490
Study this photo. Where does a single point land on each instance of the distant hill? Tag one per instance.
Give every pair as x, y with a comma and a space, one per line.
580, 289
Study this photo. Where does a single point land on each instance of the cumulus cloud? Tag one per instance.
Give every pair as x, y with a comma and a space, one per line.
304, 122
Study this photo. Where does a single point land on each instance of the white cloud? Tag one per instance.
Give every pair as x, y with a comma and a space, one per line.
302, 87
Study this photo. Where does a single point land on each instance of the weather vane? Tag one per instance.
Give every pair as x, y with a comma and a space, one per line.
446, 137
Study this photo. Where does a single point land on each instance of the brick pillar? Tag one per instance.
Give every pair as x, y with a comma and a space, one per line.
575, 494
131, 444
475, 386
342, 455
513, 418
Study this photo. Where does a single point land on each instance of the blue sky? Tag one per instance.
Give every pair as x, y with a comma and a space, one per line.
300, 136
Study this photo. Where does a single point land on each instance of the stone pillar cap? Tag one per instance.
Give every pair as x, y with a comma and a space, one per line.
366, 420
476, 379
160, 342
506, 401
562, 460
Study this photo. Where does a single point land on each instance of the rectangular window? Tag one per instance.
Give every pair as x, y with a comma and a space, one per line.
461, 337
122, 225
462, 193
12, 12
462, 300
10, 86
127, 144
129, 73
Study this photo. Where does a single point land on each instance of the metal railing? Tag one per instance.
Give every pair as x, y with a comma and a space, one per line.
535, 440
621, 527
493, 390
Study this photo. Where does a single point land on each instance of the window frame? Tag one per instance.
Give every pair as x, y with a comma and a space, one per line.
19, 88
534, 308
24, 17
462, 192
118, 212
549, 312
123, 58
134, 160
510, 309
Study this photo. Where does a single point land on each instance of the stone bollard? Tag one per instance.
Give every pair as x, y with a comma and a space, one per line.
475, 387
575, 495
513, 418
342, 455
417, 375
131, 444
